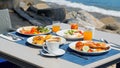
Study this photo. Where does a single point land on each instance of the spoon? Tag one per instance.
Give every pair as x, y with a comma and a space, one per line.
103, 40
112, 44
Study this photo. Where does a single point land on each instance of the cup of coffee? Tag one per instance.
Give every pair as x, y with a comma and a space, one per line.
52, 45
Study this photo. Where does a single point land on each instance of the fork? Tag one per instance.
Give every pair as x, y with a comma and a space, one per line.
14, 37
11, 35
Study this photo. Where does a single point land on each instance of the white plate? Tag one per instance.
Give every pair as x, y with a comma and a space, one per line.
30, 40
29, 27
58, 53
62, 34
72, 46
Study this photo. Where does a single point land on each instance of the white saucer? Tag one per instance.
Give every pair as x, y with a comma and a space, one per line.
57, 53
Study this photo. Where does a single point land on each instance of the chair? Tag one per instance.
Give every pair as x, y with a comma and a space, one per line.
5, 26
5, 22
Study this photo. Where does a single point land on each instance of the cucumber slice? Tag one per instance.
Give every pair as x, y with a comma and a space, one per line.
85, 48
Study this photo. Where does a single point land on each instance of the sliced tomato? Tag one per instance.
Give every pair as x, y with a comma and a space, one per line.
81, 32
90, 50
74, 26
79, 45
33, 30
27, 32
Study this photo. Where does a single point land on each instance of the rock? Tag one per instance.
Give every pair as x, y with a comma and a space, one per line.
28, 2
25, 4
110, 23
108, 20
71, 14
41, 6
85, 18
111, 27
118, 31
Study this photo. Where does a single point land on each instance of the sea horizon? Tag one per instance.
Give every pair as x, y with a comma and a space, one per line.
106, 7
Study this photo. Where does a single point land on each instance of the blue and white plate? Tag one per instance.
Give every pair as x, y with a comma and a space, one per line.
72, 46
30, 40
29, 27
57, 53
70, 37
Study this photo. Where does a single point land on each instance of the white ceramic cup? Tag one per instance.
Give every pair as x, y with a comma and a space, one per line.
52, 46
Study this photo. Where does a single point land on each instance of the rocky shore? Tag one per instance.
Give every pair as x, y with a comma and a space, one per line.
112, 24
105, 22
102, 22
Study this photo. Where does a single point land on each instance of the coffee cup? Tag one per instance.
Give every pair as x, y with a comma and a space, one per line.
52, 45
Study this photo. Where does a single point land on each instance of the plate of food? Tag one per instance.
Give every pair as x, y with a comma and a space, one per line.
33, 30
41, 39
71, 34
90, 47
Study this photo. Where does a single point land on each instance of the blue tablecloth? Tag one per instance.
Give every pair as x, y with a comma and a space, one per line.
73, 58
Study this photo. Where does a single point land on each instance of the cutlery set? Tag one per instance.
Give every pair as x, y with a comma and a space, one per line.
111, 43
14, 37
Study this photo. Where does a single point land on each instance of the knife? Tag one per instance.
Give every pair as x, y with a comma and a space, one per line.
8, 34
84, 57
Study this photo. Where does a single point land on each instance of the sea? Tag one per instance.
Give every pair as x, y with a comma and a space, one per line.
107, 7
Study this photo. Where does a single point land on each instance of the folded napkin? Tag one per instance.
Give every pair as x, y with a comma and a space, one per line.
8, 37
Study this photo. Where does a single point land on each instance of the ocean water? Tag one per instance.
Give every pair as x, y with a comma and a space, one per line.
107, 7
106, 4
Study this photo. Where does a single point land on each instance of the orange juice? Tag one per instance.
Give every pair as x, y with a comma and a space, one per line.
87, 35
74, 26
55, 28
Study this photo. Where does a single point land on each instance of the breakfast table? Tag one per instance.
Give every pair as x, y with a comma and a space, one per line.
25, 55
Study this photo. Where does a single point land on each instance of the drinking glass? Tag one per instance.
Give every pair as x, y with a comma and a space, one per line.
89, 33
74, 26
73, 23
56, 26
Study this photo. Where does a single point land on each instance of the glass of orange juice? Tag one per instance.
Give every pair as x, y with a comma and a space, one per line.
73, 23
74, 26
88, 33
56, 26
